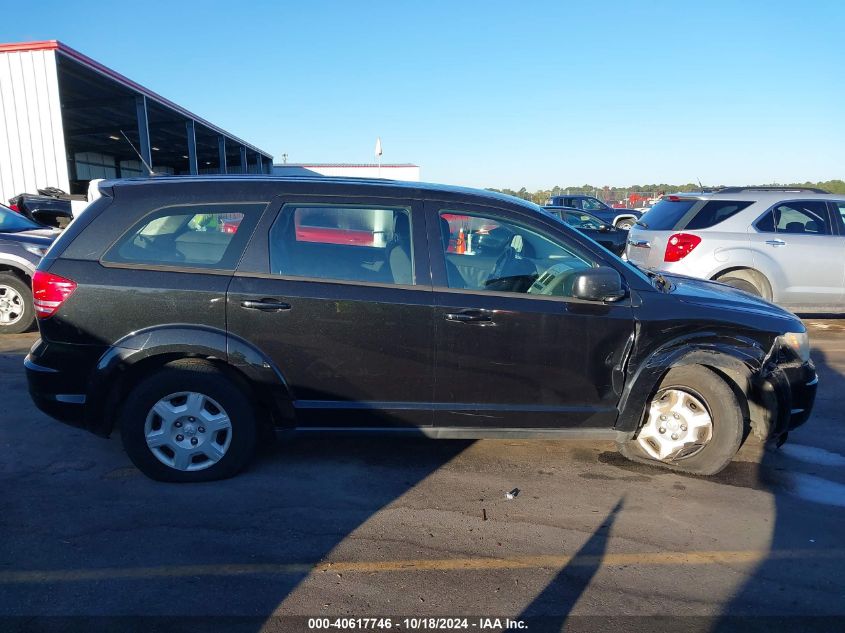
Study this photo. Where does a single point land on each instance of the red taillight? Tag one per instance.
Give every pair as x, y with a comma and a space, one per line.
679, 246
673, 198
49, 292
14, 207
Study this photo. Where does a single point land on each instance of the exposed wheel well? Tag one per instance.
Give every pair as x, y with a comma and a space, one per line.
749, 274
130, 375
17, 272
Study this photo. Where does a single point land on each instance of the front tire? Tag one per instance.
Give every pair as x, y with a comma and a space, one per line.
625, 225
17, 313
188, 422
694, 424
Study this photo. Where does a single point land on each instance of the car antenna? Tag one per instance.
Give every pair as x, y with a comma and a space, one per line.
134, 149
700, 186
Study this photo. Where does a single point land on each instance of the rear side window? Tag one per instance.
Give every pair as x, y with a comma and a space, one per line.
193, 236
713, 212
347, 243
807, 217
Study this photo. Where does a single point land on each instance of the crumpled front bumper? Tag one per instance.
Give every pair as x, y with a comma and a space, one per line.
789, 392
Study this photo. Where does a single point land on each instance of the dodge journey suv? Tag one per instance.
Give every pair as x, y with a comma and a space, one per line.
196, 314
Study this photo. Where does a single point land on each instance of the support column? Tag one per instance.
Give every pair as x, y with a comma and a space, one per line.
143, 130
259, 161
221, 153
192, 147
244, 169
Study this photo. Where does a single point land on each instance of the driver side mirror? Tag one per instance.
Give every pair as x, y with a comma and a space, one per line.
604, 228
598, 284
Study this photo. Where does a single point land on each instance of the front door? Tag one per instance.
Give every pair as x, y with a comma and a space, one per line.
510, 352
800, 240
338, 295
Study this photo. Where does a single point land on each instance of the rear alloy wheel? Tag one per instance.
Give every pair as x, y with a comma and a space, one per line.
693, 423
188, 422
16, 310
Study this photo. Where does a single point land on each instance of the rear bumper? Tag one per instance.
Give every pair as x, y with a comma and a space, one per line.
57, 377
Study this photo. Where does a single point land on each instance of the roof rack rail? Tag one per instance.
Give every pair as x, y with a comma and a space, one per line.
772, 188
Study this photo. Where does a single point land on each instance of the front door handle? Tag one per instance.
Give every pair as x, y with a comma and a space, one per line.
266, 305
775, 242
470, 316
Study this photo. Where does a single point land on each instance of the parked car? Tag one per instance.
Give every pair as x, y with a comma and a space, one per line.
22, 244
194, 342
50, 207
783, 244
611, 238
622, 219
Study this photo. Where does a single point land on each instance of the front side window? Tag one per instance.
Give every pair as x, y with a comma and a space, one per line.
487, 253
195, 236
804, 217
591, 204
840, 207
347, 243
583, 221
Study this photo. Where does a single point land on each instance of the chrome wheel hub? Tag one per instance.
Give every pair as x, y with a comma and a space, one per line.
188, 431
678, 426
11, 305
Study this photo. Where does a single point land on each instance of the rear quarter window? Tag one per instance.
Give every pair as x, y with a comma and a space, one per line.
692, 213
209, 236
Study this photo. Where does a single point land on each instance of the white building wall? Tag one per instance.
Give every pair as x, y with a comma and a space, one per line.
32, 145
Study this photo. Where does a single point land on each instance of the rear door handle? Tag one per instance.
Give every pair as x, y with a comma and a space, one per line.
775, 242
470, 316
266, 305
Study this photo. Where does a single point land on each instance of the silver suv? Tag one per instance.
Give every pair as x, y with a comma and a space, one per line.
783, 244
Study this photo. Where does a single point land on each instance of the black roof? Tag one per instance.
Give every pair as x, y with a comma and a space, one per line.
406, 187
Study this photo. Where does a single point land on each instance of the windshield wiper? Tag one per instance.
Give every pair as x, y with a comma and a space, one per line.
661, 281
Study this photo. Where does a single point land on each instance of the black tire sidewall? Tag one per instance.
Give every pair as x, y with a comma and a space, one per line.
201, 378
742, 284
28, 318
721, 403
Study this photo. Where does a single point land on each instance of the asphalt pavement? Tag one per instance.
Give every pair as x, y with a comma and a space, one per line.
373, 528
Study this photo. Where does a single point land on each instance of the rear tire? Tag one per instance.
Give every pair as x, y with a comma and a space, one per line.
625, 225
728, 427
742, 284
17, 313
188, 422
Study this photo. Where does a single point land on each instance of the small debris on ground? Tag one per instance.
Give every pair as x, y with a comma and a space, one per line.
512, 494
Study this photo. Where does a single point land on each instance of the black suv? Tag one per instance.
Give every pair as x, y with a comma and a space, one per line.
196, 313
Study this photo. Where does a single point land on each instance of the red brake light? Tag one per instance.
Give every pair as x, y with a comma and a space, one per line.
49, 293
679, 246
14, 207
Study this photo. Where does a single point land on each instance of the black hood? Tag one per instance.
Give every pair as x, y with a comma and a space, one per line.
713, 294
38, 237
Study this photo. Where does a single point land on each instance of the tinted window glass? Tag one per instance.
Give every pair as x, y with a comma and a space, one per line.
582, 221
714, 212
11, 222
195, 236
484, 252
365, 244
807, 217
591, 204
840, 206
665, 215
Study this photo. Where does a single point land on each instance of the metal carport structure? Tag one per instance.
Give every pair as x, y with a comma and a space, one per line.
63, 117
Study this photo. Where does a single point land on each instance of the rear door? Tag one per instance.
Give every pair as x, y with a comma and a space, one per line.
337, 292
799, 239
508, 356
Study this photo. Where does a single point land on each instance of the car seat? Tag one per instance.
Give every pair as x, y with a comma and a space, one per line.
399, 251
453, 275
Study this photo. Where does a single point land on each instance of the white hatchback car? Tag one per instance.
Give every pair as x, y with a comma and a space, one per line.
785, 245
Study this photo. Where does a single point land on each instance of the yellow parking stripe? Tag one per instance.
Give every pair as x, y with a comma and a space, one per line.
723, 557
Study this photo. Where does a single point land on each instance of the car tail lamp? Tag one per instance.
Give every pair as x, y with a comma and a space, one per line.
49, 292
15, 208
679, 246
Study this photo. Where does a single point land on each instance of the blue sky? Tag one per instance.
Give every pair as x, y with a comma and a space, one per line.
489, 93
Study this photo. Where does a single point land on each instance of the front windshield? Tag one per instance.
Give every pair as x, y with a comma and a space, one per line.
11, 222
583, 221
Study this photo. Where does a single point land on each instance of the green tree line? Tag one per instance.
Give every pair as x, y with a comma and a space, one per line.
621, 193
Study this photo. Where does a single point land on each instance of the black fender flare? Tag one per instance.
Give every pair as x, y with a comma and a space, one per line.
740, 358
173, 342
